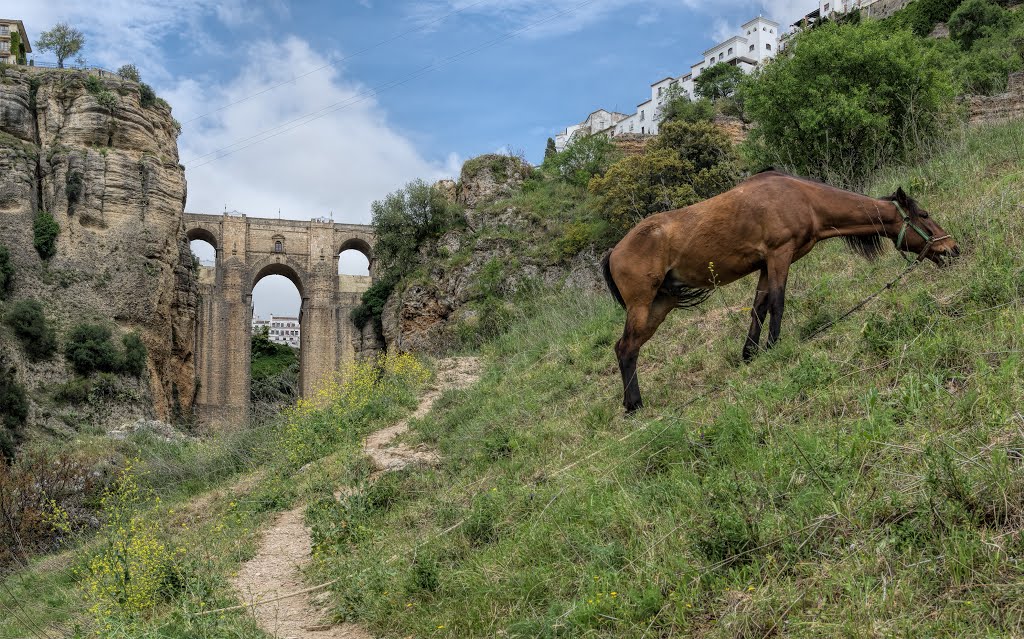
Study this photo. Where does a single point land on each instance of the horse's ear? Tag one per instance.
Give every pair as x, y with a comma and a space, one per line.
902, 197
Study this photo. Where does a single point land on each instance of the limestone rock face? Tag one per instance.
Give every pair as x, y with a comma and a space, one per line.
471, 272
106, 168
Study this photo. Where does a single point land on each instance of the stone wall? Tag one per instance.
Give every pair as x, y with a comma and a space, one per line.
110, 177
998, 108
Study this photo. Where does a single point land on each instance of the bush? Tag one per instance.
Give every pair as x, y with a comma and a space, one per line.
89, 348
13, 409
403, 221
583, 159
686, 163
847, 100
44, 235
129, 72
133, 361
6, 273
372, 305
28, 320
147, 97
922, 15
718, 81
973, 19
985, 68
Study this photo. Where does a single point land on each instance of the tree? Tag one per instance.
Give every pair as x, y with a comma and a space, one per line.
28, 321
686, 163
718, 81
848, 100
63, 40
44, 235
584, 158
972, 19
129, 72
89, 348
550, 149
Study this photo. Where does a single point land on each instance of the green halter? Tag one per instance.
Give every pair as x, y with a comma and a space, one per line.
928, 238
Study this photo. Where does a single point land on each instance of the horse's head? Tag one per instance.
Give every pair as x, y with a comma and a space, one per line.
920, 233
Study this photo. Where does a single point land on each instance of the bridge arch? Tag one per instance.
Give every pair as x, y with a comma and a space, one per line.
248, 250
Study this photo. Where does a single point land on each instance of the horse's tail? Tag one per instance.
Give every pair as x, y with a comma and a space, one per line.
607, 269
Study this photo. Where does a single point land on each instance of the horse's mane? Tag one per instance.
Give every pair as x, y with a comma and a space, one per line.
868, 246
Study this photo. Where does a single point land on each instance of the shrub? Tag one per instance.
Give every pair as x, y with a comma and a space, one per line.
89, 348
687, 162
28, 320
583, 159
129, 72
923, 15
985, 69
13, 409
44, 235
6, 273
107, 100
372, 305
972, 19
403, 221
679, 106
44, 500
847, 100
718, 81
133, 361
147, 97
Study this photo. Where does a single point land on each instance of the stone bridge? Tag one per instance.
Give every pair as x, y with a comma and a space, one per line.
248, 249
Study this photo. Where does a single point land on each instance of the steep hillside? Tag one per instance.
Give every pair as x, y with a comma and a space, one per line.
100, 157
868, 482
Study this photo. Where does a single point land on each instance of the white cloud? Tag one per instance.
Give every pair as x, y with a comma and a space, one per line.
339, 163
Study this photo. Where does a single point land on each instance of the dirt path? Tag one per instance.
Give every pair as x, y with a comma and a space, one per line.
276, 569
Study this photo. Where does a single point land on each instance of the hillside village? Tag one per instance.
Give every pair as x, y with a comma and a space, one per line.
758, 41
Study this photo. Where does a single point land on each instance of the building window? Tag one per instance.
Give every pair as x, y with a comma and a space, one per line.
659, 91
641, 115
278, 246
768, 46
721, 56
826, 7
730, 50
5, 47
5, 30
751, 47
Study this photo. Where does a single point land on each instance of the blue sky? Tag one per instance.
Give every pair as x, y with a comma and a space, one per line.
563, 59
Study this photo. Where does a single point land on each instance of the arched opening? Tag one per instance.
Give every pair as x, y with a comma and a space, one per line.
355, 258
275, 340
204, 247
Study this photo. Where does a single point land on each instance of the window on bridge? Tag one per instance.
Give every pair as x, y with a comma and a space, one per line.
353, 262
204, 252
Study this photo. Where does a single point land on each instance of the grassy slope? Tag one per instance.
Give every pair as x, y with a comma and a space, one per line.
869, 482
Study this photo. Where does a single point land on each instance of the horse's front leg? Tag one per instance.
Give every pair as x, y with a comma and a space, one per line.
757, 314
641, 322
778, 273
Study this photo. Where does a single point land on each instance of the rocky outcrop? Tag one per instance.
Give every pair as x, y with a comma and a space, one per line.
998, 108
471, 273
106, 168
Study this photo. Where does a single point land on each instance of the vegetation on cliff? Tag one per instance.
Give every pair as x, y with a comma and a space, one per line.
274, 374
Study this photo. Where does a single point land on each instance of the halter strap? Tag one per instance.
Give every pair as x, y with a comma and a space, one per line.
907, 222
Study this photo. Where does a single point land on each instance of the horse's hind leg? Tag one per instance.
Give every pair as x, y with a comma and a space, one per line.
758, 312
641, 322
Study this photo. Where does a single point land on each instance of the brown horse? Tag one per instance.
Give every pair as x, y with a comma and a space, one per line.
675, 259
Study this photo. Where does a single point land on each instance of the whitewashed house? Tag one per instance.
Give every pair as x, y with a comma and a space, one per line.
596, 122
757, 42
280, 330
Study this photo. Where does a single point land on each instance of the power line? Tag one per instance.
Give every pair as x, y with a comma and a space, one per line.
422, 27
364, 95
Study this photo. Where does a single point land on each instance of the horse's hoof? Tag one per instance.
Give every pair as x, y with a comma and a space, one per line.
630, 409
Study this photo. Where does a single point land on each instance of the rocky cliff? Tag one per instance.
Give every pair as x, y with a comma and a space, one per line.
472, 275
102, 159
998, 108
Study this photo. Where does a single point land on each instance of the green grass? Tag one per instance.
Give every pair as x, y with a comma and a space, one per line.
868, 482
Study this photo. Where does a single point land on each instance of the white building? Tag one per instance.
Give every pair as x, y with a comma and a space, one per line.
281, 330
827, 8
596, 122
757, 42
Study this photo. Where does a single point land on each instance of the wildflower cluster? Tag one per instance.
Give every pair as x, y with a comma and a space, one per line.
348, 397
124, 578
